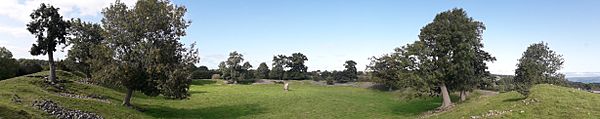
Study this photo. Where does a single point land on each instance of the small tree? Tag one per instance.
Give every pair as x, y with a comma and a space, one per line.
86, 38
262, 72
50, 30
297, 68
232, 69
278, 67
350, 72
538, 65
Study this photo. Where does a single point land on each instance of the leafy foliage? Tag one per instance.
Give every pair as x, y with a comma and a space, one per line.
262, 72
50, 30
85, 38
9, 65
143, 52
233, 70
538, 65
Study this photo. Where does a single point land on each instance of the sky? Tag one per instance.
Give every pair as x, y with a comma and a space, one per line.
329, 32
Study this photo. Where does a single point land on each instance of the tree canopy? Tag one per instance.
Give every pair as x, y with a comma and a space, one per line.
538, 65
143, 48
48, 26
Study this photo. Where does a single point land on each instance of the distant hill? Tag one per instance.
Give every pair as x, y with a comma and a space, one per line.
585, 79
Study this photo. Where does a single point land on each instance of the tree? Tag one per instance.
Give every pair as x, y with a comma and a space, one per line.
456, 56
297, 68
407, 67
86, 37
246, 71
278, 67
538, 65
202, 72
29, 66
350, 72
143, 52
233, 70
50, 30
262, 72
9, 65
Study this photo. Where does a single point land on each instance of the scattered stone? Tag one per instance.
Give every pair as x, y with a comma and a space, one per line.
491, 113
63, 113
102, 99
530, 101
15, 98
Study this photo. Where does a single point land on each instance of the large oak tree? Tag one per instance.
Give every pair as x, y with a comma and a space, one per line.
144, 49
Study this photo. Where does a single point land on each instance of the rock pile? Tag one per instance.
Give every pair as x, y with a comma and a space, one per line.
64, 113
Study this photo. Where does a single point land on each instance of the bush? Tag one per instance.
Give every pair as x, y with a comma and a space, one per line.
29, 66
9, 68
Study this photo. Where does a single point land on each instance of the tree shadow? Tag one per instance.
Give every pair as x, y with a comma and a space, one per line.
203, 82
198, 92
218, 112
9, 113
416, 106
514, 99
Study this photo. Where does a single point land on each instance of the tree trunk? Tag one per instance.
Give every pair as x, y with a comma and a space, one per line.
126, 101
463, 96
446, 102
52, 76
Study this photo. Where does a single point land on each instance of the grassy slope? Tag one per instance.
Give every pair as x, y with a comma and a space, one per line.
552, 102
212, 99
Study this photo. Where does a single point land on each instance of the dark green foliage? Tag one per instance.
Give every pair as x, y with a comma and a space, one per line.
295, 65
350, 73
297, 69
262, 72
233, 70
538, 65
142, 50
29, 66
202, 72
86, 38
406, 67
9, 66
50, 30
448, 55
278, 71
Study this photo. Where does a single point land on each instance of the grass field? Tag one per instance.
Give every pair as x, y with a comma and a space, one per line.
213, 99
545, 102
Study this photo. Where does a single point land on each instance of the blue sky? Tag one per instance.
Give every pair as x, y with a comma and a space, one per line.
332, 31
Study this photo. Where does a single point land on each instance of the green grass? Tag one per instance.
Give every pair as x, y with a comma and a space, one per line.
552, 102
213, 99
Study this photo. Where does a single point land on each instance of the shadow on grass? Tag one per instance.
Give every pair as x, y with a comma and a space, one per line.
418, 106
197, 92
514, 99
13, 114
219, 112
203, 82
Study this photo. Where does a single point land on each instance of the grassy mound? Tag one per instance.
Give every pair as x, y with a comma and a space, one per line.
213, 99
545, 102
